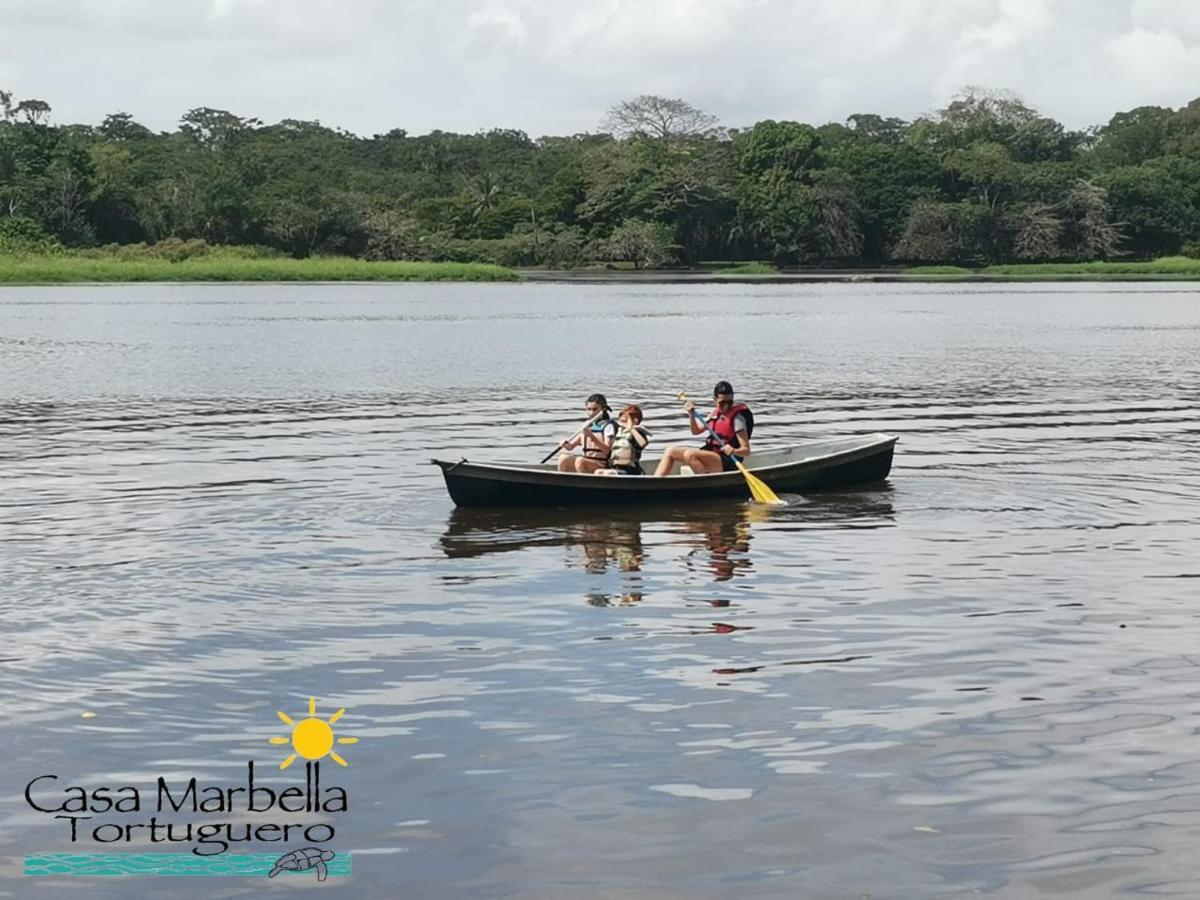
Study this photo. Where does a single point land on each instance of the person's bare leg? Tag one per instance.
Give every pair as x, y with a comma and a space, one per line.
704, 462
666, 464
670, 457
566, 463
585, 466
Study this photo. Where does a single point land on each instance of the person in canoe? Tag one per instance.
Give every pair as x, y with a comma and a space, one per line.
627, 446
596, 439
733, 423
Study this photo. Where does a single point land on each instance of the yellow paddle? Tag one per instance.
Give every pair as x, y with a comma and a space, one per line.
758, 488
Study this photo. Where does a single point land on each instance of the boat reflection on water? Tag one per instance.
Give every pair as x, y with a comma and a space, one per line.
612, 545
715, 539
723, 542
597, 544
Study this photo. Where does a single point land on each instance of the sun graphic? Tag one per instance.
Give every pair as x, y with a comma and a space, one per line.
312, 738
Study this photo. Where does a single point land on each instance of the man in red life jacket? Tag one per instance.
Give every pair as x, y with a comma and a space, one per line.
732, 422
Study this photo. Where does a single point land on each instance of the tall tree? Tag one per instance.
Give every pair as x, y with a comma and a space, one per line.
657, 117
34, 111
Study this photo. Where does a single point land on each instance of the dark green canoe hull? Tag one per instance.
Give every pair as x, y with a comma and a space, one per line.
821, 465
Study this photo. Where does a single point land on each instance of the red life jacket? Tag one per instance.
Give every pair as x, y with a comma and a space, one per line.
722, 424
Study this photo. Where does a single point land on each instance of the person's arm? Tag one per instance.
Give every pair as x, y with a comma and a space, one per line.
743, 439
609, 436
697, 428
640, 438
742, 448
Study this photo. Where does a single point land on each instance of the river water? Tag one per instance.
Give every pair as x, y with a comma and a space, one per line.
978, 678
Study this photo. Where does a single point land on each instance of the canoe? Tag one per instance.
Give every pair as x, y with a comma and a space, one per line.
834, 463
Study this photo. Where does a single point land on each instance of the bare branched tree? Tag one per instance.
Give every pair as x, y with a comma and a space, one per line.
1037, 233
657, 117
392, 235
943, 232
974, 106
1089, 210
930, 234
645, 244
65, 202
840, 211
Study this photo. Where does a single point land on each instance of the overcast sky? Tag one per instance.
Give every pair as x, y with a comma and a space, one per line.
554, 66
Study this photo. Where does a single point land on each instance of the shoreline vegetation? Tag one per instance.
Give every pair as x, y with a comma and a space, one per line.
982, 184
73, 269
1164, 267
251, 265
1168, 267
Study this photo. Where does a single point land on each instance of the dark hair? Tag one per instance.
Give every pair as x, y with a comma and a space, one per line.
635, 411
599, 398
723, 387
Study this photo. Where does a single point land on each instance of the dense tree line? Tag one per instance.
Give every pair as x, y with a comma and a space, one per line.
986, 179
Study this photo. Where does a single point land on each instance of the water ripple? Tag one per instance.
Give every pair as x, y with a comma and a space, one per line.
976, 678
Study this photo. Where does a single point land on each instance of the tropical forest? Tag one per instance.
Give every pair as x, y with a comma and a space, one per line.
985, 180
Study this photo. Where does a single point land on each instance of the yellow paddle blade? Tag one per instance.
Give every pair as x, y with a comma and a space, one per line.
759, 489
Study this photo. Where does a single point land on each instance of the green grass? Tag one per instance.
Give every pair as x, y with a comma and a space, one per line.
1165, 267
941, 270
748, 268
65, 268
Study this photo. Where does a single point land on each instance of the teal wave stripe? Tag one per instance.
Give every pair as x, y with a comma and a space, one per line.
168, 864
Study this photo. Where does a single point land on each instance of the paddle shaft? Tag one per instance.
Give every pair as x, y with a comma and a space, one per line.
720, 441
587, 424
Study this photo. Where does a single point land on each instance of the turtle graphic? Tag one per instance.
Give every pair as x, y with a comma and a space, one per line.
302, 860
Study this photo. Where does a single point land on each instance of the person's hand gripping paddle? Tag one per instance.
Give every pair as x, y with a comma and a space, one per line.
582, 428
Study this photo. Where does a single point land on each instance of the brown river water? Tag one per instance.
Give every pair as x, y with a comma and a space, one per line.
980, 678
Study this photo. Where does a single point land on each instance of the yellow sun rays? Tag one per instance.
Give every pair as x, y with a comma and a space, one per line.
312, 738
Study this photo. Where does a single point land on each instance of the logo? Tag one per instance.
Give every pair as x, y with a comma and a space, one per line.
300, 860
172, 812
312, 738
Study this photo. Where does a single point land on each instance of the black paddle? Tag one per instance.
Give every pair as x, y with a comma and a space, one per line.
559, 447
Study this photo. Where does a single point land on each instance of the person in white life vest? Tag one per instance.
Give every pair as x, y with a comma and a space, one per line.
596, 440
733, 424
627, 446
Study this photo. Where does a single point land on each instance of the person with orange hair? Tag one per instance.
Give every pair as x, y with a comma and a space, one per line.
631, 439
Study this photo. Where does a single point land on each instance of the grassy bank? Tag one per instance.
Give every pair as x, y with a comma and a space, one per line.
747, 268
66, 268
1180, 267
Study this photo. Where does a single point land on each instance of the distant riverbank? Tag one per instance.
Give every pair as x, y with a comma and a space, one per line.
1175, 268
82, 267
1181, 267
70, 268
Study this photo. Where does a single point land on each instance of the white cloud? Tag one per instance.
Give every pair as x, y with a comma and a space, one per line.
1167, 15
499, 20
1151, 64
554, 66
